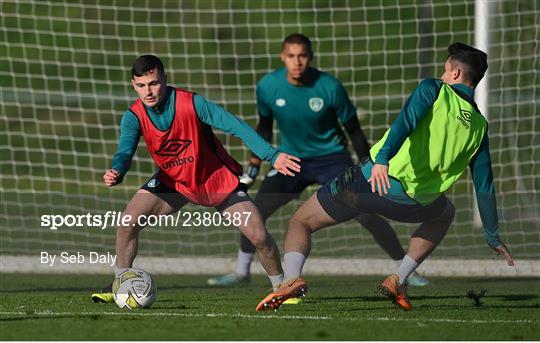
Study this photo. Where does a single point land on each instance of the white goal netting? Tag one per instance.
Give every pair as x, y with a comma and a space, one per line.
64, 81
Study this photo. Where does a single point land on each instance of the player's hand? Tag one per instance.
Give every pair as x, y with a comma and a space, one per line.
111, 177
379, 179
286, 164
248, 178
502, 249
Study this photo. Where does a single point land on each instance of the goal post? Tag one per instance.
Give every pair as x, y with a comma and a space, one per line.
481, 41
64, 84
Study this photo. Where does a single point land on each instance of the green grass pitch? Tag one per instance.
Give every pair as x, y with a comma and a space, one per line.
58, 307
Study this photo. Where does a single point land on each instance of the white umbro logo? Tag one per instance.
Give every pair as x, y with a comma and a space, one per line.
280, 102
152, 183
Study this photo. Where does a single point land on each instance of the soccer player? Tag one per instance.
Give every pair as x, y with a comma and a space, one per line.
308, 106
192, 164
438, 132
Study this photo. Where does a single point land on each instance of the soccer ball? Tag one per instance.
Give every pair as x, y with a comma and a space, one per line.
134, 288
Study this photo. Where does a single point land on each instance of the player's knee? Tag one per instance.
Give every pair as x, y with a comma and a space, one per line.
300, 221
133, 225
259, 240
127, 232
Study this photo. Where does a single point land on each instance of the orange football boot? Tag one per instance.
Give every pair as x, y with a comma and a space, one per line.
289, 289
398, 293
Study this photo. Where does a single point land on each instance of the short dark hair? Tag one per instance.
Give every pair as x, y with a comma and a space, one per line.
474, 61
143, 64
297, 38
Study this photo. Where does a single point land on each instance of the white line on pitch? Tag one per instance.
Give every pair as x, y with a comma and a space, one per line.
445, 320
240, 315
161, 314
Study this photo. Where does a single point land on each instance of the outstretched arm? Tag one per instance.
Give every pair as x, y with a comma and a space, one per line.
219, 118
264, 129
127, 145
482, 175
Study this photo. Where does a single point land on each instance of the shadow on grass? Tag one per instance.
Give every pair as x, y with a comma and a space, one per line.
517, 297
97, 289
49, 289
33, 317
499, 279
437, 299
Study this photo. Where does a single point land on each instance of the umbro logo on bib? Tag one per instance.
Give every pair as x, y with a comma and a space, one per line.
465, 118
316, 104
173, 147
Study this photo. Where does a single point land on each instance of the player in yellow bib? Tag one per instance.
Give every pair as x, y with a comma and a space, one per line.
438, 133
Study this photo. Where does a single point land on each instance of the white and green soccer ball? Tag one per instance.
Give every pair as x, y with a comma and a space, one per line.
134, 288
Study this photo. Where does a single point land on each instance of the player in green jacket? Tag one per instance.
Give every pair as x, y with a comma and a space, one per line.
310, 107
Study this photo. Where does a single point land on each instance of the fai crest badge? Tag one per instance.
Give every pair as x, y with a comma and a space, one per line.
316, 104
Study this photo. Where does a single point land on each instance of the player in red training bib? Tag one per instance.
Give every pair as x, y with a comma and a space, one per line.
192, 164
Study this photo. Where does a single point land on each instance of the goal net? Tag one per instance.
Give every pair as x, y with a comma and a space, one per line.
65, 82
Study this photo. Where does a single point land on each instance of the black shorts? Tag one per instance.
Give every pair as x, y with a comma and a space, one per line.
177, 200
277, 189
349, 195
